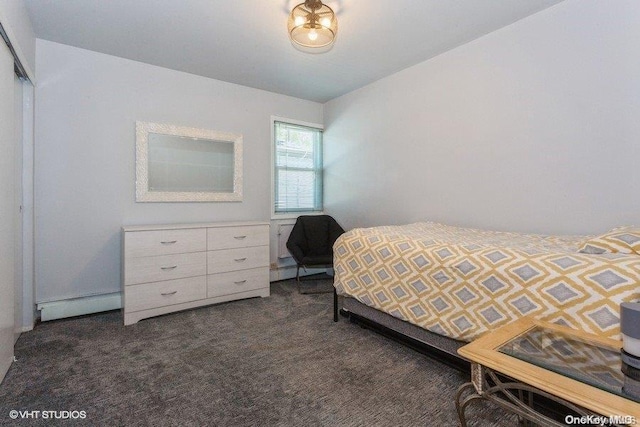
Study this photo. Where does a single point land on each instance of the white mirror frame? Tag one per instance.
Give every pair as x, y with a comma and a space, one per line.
143, 129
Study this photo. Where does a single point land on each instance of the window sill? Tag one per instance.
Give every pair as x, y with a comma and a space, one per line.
276, 217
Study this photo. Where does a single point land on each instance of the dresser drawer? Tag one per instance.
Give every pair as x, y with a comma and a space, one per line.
237, 281
164, 267
164, 242
160, 294
237, 237
237, 259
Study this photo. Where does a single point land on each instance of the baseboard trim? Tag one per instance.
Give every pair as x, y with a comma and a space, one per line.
79, 306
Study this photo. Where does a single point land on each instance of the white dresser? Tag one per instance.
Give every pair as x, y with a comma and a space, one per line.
166, 268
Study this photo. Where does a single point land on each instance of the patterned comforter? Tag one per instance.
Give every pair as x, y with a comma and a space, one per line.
462, 282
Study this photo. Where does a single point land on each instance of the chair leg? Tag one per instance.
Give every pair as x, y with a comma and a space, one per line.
299, 280
335, 305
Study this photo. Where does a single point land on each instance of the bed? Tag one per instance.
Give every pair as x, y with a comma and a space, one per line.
461, 283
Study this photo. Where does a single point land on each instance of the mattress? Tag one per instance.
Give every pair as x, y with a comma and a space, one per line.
463, 282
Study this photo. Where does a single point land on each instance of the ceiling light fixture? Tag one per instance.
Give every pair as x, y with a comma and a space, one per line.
313, 26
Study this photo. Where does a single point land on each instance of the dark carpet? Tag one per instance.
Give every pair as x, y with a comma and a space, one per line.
278, 361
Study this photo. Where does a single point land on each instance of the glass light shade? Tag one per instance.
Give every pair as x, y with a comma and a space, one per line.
312, 26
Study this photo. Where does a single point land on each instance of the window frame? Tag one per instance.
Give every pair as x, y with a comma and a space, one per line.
290, 215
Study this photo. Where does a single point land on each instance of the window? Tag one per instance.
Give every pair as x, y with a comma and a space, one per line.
297, 168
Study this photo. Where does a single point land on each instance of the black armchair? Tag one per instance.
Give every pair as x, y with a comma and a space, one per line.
311, 241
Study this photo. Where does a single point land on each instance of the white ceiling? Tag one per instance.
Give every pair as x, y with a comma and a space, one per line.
246, 42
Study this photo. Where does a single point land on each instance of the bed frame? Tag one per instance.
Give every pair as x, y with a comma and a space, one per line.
441, 348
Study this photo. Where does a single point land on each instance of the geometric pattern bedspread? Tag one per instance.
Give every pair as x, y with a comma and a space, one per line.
462, 282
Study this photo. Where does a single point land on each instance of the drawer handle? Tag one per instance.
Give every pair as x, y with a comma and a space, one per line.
240, 259
239, 237
169, 243
166, 294
168, 268
240, 282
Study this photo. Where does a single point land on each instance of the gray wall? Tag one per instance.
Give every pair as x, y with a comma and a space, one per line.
531, 128
86, 108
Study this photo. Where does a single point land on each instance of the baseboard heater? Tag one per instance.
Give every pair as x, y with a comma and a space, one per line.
53, 310
289, 272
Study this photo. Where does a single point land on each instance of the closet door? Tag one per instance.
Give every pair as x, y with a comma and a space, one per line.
17, 207
7, 208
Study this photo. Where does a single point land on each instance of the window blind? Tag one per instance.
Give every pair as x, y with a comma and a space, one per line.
298, 168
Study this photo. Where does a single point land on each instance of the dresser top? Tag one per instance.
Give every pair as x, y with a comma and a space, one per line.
129, 228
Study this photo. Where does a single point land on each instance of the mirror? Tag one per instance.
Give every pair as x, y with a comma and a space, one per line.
180, 164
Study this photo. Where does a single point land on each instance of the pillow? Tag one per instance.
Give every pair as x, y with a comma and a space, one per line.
622, 239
